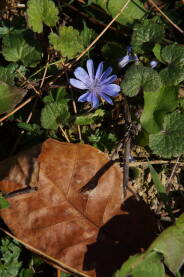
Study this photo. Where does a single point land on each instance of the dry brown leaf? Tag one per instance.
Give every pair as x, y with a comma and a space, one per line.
75, 216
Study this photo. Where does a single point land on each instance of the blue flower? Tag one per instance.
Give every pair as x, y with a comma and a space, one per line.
153, 63
98, 85
128, 58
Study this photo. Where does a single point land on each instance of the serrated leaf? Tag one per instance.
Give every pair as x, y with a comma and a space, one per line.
8, 73
3, 203
137, 77
20, 47
9, 96
41, 11
148, 265
134, 10
68, 42
170, 243
169, 142
156, 105
145, 34
173, 55
54, 114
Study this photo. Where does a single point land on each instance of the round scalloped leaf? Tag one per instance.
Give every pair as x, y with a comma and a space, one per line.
173, 74
134, 10
156, 105
137, 77
20, 46
41, 11
68, 42
146, 34
9, 96
54, 114
170, 141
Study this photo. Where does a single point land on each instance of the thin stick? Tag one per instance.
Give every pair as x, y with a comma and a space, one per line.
127, 147
169, 182
59, 273
144, 163
45, 72
35, 90
64, 133
18, 108
166, 17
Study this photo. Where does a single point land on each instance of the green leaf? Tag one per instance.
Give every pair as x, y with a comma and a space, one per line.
57, 95
87, 35
134, 10
30, 128
68, 42
4, 31
173, 55
9, 96
54, 114
10, 252
157, 52
156, 105
145, 34
21, 47
26, 273
41, 11
161, 190
137, 77
3, 203
8, 73
89, 118
169, 142
170, 243
142, 266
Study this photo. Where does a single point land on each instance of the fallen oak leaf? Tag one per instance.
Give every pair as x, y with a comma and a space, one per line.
58, 219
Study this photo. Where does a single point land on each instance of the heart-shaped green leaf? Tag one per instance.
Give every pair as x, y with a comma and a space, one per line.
169, 142
41, 11
137, 77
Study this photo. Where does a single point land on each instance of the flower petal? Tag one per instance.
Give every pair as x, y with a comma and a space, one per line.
111, 90
82, 75
106, 73
94, 101
78, 84
107, 98
124, 61
84, 97
90, 68
99, 71
108, 80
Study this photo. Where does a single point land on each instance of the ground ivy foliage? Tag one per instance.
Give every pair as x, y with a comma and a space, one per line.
169, 142
139, 77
